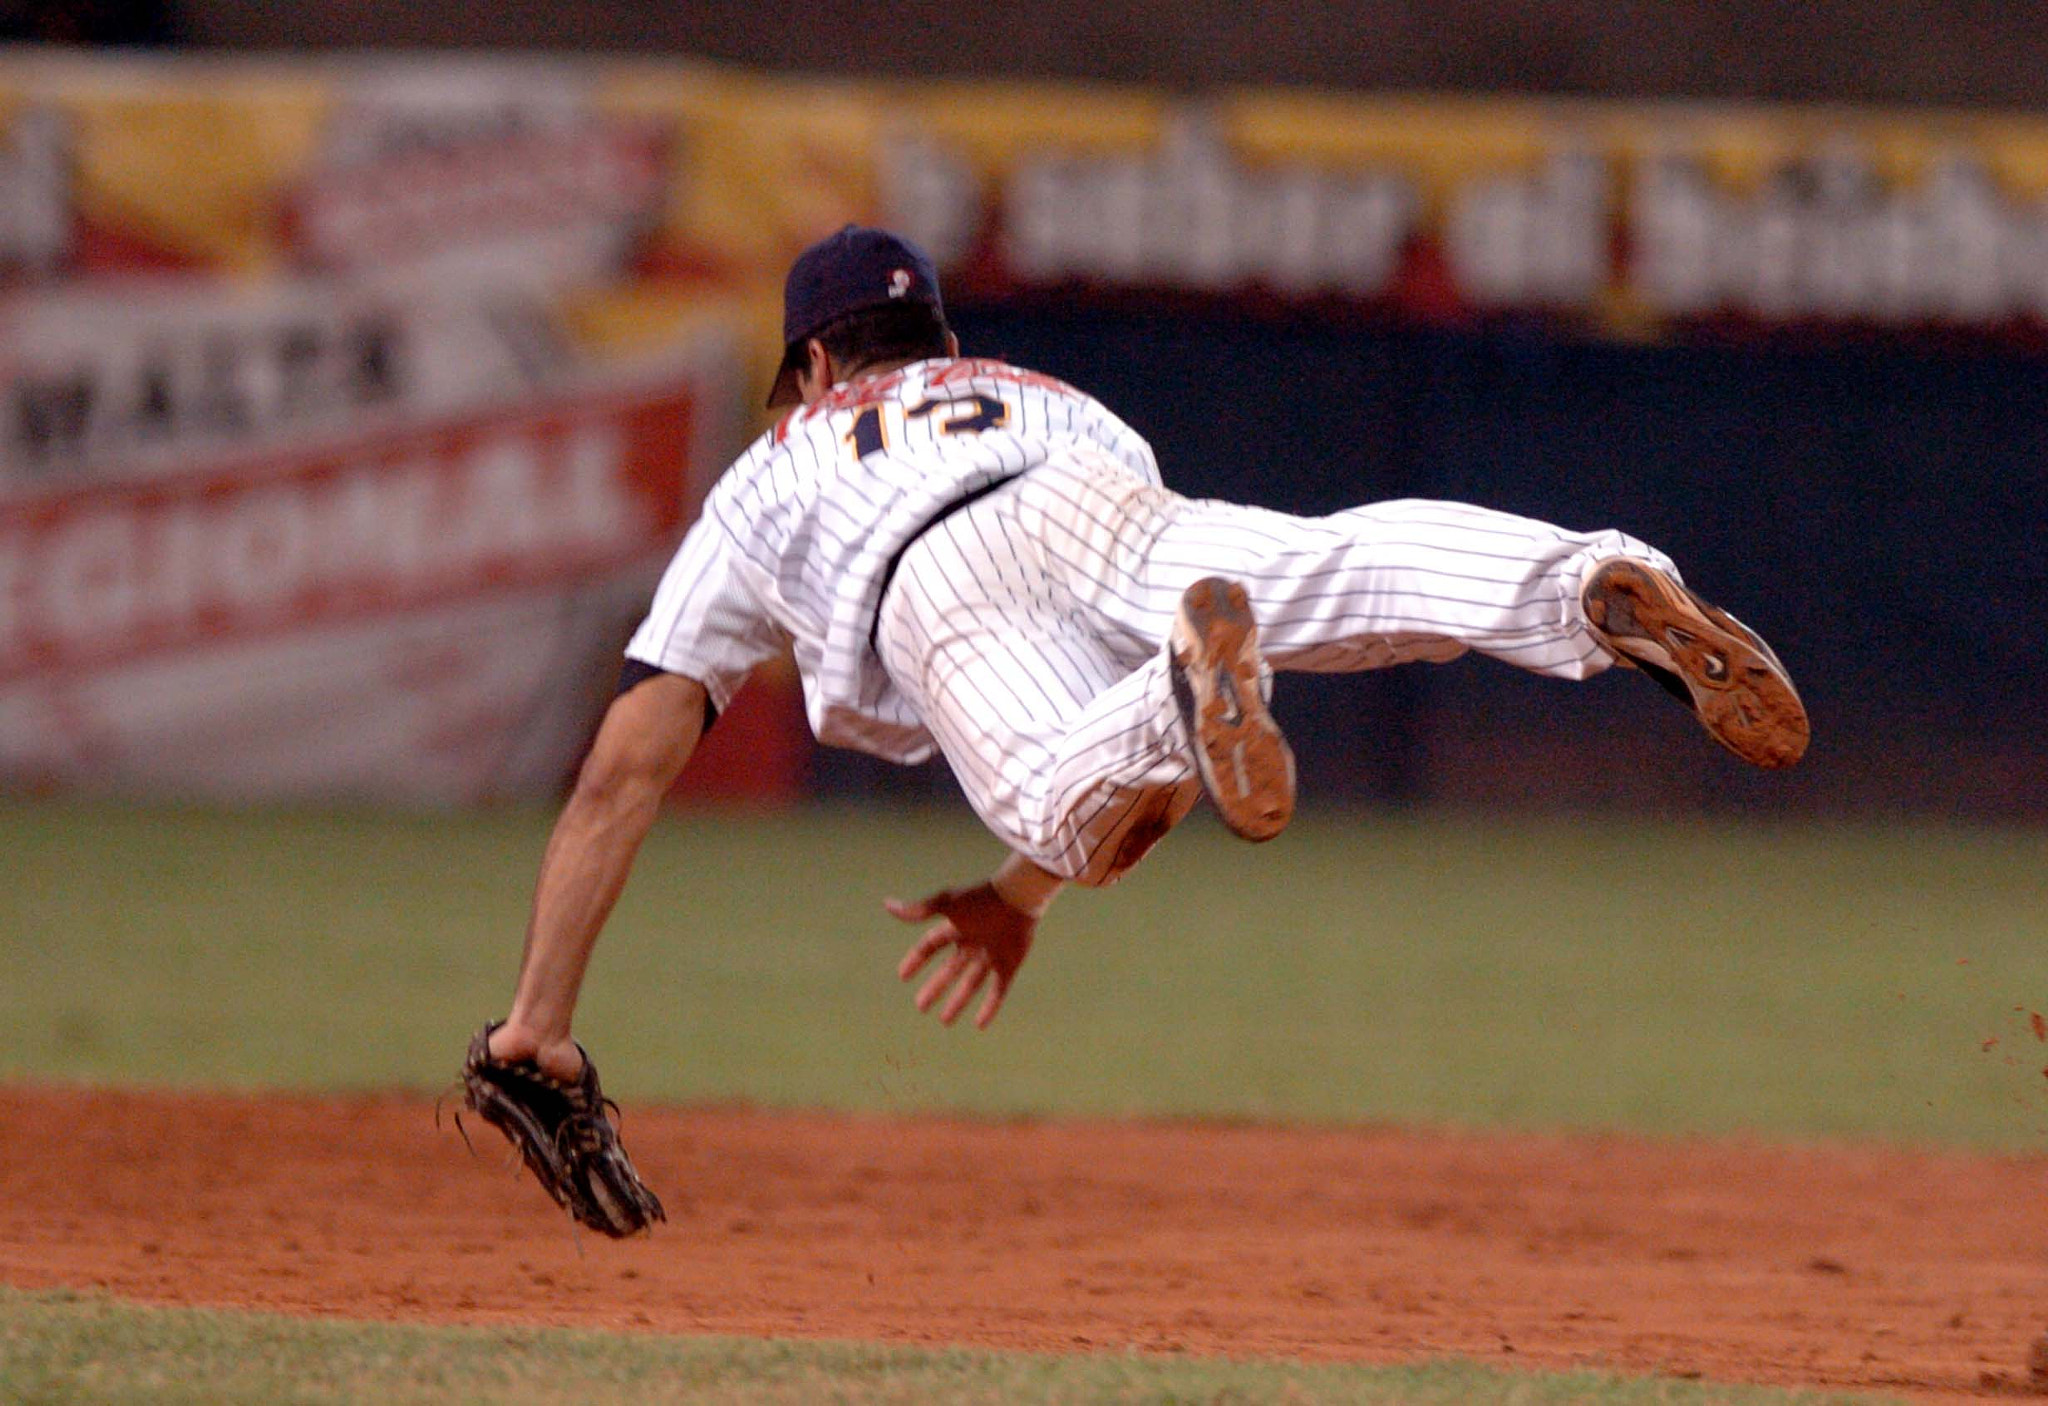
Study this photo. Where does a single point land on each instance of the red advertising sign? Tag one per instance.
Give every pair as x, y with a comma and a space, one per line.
385, 526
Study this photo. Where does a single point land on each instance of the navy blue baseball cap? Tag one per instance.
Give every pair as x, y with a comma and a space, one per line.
855, 268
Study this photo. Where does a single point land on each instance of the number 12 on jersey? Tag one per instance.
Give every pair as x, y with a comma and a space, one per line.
978, 413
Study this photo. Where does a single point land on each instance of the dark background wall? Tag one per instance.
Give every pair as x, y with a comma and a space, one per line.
1962, 52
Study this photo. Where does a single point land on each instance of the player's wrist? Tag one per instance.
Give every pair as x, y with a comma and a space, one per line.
1026, 887
561, 1059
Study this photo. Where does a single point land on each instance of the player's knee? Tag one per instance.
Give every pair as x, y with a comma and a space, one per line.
1106, 838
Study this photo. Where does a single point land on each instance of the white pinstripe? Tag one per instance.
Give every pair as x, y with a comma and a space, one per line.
1024, 635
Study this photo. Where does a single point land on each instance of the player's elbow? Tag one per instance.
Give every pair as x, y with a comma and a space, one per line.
646, 739
612, 779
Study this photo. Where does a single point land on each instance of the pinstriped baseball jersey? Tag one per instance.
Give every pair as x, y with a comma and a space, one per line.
796, 537
1024, 634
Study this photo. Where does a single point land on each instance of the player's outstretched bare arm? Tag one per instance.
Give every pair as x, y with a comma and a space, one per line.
647, 735
990, 928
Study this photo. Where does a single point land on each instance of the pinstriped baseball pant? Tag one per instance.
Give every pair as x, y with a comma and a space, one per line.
1029, 631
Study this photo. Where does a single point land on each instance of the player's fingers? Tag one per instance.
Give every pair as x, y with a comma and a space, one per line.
941, 979
910, 912
976, 976
993, 1004
925, 949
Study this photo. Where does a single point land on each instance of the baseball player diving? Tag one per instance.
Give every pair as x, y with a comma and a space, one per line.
972, 559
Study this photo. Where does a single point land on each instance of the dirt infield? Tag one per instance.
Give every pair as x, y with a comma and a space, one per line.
1816, 1266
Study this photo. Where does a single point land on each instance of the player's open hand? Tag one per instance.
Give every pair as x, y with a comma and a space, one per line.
989, 938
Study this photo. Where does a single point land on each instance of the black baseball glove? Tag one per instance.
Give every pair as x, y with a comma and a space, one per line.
565, 1135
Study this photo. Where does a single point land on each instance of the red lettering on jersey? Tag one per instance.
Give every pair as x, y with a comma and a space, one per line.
968, 368
855, 394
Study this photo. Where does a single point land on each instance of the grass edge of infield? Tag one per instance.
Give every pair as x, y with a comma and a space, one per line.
60, 1346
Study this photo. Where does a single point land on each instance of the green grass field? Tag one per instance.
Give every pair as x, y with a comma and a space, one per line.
1792, 981
57, 1349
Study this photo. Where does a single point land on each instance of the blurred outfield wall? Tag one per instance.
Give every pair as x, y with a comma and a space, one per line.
349, 406
1981, 52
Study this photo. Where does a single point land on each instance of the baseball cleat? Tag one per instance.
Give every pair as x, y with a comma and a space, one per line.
1213, 652
1702, 655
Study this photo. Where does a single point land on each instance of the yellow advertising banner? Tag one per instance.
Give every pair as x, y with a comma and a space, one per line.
632, 193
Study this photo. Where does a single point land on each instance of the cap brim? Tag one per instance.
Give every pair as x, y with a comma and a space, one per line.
784, 391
